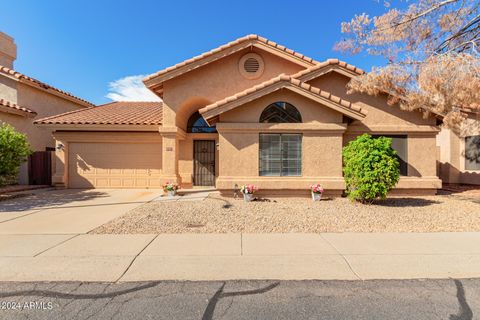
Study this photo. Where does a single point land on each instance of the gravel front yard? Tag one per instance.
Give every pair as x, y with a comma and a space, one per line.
222, 215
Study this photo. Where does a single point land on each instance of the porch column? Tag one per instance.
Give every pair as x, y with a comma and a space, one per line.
170, 150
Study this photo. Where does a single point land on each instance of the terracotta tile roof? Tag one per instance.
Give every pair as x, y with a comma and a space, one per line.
114, 113
326, 63
29, 80
18, 109
291, 81
249, 38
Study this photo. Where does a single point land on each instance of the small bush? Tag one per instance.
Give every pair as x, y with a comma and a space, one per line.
14, 149
371, 168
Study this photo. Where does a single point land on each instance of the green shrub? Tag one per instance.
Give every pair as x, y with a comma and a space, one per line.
371, 168
14, 149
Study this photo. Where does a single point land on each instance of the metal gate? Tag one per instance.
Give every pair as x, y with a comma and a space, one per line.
204, 163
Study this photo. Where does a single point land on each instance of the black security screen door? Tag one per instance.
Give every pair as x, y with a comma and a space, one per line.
204, 163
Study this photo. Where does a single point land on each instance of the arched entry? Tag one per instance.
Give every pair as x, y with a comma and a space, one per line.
197, 124
203, 138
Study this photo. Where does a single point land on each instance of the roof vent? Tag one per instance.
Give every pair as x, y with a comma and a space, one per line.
251, 66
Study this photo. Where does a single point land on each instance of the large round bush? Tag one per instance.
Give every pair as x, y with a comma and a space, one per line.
14, 149
371, 168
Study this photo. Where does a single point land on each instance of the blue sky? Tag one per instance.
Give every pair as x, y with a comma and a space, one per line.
82, 46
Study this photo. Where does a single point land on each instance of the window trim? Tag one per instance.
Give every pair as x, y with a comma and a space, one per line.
281, 152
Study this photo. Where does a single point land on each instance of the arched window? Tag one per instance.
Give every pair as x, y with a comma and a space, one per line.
280, 112
196, 124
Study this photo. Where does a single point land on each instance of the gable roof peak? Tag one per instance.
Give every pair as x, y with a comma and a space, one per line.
279, 82
349, 69
156, 79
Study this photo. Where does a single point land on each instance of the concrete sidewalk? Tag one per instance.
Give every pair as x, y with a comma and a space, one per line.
326, 256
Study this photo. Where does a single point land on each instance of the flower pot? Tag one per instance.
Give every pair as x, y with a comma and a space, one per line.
316, 196
171, 193
248, 197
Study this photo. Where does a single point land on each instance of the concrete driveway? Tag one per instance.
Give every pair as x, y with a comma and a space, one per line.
70, 211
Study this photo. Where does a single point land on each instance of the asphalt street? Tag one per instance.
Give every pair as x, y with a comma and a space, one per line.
386, 299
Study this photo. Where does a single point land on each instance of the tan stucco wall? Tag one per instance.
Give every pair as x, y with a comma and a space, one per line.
452, 153
189, 92
44, 104
422, 152
8, 89
321, 161
378, 111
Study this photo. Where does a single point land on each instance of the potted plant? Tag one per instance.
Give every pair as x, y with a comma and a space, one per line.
248, 190
317, 191
171, 188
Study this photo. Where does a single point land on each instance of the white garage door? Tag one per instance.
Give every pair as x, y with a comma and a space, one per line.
115, 165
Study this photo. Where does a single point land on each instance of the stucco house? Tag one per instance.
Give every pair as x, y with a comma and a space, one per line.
250, 111
24, 99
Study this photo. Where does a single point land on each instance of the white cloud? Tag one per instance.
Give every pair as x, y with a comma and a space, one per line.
130, 88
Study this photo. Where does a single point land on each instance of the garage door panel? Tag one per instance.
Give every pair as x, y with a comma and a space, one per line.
128, 183
102, 183
155, 183
115, 165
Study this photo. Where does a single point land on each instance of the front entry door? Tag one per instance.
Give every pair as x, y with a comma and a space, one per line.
204, 162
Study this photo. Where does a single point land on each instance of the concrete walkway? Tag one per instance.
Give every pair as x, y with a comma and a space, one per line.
347, 256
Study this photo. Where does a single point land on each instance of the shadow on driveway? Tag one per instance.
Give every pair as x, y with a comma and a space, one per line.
48, 199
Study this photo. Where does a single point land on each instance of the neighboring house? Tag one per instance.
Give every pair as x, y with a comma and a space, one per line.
459, 160
24, 99
250, 111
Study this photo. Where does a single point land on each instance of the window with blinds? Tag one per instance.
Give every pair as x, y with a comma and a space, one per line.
472, 153
399, 144
280, 154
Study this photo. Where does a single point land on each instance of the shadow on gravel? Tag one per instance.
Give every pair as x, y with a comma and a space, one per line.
405, 202
464, 312
208, 314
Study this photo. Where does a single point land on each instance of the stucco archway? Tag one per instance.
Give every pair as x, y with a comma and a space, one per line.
187, 108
